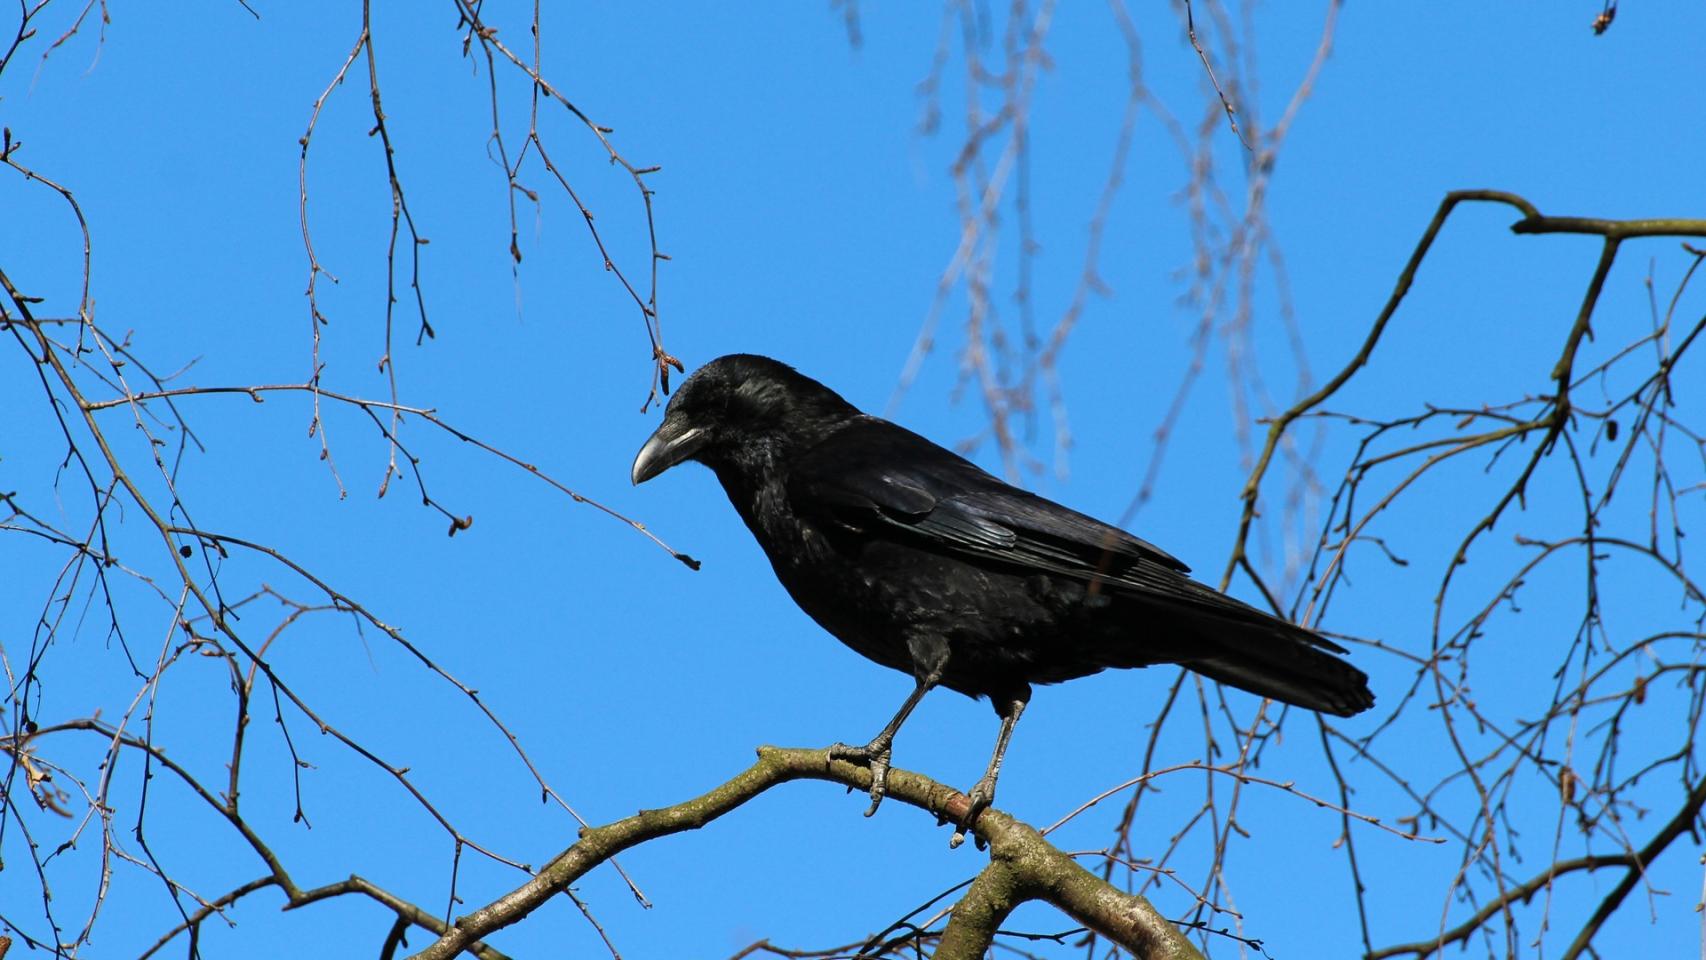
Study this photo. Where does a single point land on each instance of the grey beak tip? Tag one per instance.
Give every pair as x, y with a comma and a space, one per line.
664, 449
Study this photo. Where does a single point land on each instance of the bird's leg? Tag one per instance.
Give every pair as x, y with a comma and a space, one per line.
876, 754
983, 792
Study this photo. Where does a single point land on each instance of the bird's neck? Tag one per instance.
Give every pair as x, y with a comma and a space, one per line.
756, 483
755, 476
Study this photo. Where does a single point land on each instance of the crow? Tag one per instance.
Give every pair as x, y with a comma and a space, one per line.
921, 561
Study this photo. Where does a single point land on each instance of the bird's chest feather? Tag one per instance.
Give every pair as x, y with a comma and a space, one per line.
819, 567
874, 591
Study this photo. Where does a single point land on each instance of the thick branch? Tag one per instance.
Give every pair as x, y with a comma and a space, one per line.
1521, 893
1023, 865
1680, 824
1611, 229
971, 926
1634, 862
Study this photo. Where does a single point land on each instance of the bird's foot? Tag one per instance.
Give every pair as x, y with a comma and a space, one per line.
874, 755
982, 794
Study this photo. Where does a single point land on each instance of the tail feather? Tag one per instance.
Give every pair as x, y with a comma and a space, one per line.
1274, 663
1228, 640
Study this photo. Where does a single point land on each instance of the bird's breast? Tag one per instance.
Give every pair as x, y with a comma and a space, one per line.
872, 591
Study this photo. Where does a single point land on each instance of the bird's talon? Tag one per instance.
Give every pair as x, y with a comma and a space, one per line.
876, 801
978, 800
879, 783
841, 751
874, 756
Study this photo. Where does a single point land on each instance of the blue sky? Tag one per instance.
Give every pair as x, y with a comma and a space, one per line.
807, 218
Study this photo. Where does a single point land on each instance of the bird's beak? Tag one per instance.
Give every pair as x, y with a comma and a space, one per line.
672, 443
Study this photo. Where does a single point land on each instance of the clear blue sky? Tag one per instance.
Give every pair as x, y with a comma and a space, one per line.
807, 218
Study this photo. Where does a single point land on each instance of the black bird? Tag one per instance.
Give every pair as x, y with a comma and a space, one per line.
919, 560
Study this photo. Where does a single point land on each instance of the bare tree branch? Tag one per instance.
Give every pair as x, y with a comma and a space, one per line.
1026, 867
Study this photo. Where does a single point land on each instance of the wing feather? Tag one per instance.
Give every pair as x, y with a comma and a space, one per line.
873, 474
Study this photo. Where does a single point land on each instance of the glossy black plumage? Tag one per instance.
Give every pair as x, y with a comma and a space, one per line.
921, 561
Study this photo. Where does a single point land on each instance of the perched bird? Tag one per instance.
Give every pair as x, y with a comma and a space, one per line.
923, 562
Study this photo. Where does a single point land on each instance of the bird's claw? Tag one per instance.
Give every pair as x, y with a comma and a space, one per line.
874, 756
981, 795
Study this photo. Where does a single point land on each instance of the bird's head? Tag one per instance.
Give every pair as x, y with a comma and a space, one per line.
736, 409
